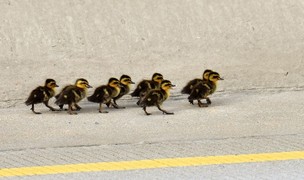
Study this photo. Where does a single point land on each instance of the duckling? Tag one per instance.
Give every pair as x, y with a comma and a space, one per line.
156, 97
105, 93
203, 90
146, 85
72, 94
77, 107
125, 82
42, 94
188, 88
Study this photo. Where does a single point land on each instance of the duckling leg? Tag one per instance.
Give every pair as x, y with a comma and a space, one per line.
165, 112
108, 104
208, 100
191, 102
34, 110
144, 108
141, 97
100, 109
46, 103
70, 110
115, 105
138, 102
61, 107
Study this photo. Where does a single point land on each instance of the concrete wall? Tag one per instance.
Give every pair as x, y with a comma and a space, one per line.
252, 43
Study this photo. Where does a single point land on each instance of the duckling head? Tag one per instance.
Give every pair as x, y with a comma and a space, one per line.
214, 77
166, 85
157, 77
126, 80
50, 83
82, 83
206, 74
113, 82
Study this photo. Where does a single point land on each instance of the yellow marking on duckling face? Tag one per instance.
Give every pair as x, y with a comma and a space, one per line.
52, 85
65, 96
206, 75
214, 77
82, 84
158, 78
114, 84
126, 81
166, 87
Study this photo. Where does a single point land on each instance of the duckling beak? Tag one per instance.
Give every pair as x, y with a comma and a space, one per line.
132, 82
221, 78
172, 85
56, 85
89, 86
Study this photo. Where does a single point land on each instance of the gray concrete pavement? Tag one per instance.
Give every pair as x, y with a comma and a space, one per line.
251, 113
257, 46
236, 123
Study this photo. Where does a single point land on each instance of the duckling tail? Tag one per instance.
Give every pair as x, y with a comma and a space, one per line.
186, 90
28, 102
136, 92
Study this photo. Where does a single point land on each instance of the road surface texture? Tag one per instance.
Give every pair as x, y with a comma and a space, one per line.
254, 128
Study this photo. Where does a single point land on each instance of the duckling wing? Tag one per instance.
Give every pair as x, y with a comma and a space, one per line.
100, 95
69, 95
188, 88
141, 87
62, 90
36, 96
199, 91
152, 98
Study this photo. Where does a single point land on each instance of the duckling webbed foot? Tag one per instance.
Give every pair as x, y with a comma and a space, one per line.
138, 103
145, 109
208, 101
100, 109
61, 107
200, 104
164, 111
191, 102
33, 110
71, 110
77, 107
116, 105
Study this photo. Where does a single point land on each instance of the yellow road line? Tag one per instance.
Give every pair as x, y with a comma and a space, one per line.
152, 163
